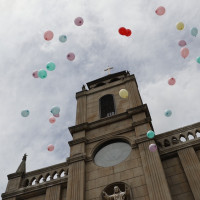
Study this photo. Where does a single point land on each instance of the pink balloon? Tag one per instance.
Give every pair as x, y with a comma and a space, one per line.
79, 21
50, 147
182, 43
70, 56
35, 74
57, 115
152, 147
52, 120
48, 35
184, 52
160, 11
171, 81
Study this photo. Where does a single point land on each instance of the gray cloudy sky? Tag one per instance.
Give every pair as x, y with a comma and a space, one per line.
151, 53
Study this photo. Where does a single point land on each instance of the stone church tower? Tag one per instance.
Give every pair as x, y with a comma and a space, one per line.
109, 154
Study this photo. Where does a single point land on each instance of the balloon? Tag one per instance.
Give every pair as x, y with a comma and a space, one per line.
198, 60
48, 35
55, 110
194, 31
35, 74
52, 120
70, 56
182, 43
50, 147
180, 26
79, 21
50, 66
122, 31
168, 113
42, 73
123, 93
152, 147
25, 113
56, 115
171, 81
160, 11
128, 32
184, 52
63, 38
150, 134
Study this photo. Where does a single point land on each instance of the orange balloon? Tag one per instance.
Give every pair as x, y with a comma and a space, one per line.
184, 52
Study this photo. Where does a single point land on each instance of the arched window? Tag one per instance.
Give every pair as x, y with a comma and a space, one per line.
106, 105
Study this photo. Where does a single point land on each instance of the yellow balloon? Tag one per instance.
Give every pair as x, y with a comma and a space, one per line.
180, 26
123, 93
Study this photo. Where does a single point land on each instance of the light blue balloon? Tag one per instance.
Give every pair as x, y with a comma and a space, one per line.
198, 60
168, 113
25, 113
51, 66
42, 73
63, 38
194, 31
150, 134
55, 110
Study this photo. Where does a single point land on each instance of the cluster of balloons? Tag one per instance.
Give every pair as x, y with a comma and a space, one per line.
124, 31
123, 93
48, 35
42, 73
151, 135
160, 11
55, 110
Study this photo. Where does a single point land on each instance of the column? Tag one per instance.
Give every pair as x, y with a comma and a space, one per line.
53, 193
76, 181
154, 174
81, 110
191, 166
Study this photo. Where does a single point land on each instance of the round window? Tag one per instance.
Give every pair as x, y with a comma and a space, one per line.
112, 153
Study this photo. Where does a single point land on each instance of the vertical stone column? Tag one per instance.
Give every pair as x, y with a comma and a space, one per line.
53, 193
191, 166
154, 174
76, 181
81, 109
134, 96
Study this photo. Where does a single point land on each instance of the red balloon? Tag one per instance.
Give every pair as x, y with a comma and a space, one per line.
122, 31
160, 11
52, 120
184, 52
128, 32
48, 35
171, 81
50, 147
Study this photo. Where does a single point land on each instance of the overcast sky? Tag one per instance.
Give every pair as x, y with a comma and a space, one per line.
151, 53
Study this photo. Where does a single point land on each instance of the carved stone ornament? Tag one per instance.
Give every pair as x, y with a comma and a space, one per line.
117, 194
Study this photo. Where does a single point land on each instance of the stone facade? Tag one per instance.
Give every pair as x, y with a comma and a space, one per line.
171, 173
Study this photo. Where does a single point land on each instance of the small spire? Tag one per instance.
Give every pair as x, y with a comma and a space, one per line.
22, 166
108, 69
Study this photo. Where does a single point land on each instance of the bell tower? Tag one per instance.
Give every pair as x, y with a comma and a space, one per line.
109, 149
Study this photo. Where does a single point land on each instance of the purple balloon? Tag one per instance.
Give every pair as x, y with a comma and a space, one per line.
70, 56
182, 43
78, 21
152, 147
35, 74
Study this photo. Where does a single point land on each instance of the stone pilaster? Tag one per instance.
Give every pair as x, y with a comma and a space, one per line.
76, 181
81, 109
154, 174
191, 166
53, 193
134, 96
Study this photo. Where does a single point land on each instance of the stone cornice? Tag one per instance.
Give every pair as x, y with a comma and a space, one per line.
15, 175
33, 190
108, 120
76, 158
77, 141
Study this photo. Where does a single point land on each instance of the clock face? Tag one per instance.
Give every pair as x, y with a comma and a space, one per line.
112, 154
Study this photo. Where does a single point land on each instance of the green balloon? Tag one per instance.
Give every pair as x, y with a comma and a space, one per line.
42, 73
25, 113
198, 60
63, 38
150, 134
51, 66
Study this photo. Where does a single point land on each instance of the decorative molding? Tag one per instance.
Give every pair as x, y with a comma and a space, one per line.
144, 121
76, 158
36, 189
77, 141
112, 119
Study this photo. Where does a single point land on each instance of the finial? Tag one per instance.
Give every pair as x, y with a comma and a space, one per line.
108, 69
24, 157
83, 88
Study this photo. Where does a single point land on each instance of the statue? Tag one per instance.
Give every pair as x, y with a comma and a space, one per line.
118, 194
